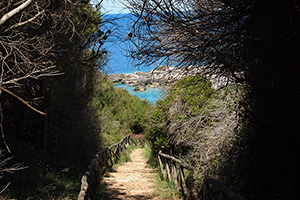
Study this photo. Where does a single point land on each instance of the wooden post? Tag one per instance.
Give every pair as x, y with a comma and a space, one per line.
133, 141
175, 175
84, 186
120, 148
111, 158
127, 140
95, 166
92, 181
102, 160
184, 188
206, 195
98, 168
161, 167
105, 159
116, 152
168, 170
123, 145
192, 186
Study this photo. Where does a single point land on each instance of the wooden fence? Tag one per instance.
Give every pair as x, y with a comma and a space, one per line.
102, 161
138, 139
174, 170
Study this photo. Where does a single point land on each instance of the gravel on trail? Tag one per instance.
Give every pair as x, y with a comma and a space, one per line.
132, 180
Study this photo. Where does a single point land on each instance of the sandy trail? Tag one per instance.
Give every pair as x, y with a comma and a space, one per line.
132, 180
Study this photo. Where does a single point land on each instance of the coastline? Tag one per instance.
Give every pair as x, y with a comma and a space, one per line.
167, 76
161, 76
152, 85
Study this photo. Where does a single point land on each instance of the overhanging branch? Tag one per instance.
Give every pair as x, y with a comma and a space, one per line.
14, 11
23, 101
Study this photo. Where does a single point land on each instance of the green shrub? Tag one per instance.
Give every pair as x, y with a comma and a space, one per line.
118, 112
189, 94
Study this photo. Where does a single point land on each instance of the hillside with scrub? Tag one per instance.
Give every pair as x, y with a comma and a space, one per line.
245, 134
57, 107
233, 115
198, 123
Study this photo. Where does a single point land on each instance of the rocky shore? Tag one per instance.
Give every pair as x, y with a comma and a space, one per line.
164, 76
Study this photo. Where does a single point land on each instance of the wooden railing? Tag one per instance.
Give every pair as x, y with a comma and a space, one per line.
139, 139
102, 161
174, 170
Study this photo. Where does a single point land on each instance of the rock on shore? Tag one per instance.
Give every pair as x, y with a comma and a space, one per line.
162, 75
140, 88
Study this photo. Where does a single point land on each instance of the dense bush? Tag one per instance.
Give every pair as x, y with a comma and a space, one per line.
84, 111
256, 42
118, 112
184, 100
57, 147
197, 123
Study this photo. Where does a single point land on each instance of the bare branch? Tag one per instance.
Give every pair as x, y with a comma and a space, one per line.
25, 22
2, 131
187, 33
35, 75
23, 101
14, 11
5, 187
7, 169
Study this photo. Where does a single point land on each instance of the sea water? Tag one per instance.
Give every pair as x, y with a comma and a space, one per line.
150, 94
117, 47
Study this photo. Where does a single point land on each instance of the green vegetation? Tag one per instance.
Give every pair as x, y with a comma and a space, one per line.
166, 189
125, 155
184, 100
244, 134
58, 73
197, 123
118, 112
147, 151
55, 149
254, 43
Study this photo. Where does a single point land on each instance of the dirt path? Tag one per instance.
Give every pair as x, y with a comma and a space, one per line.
132, 180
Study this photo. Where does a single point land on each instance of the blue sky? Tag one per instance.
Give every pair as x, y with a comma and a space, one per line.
114, 7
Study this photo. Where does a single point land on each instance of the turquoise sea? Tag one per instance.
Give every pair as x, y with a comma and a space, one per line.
150, 94
117, 46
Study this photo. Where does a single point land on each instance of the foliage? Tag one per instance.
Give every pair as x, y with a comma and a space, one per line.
84, 113
118, 112
57, 38
125, 155
251, 42
166, 189
190, 94
41, 179
197, 123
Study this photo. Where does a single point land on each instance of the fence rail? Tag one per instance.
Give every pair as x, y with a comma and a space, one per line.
174, 170
102, 161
